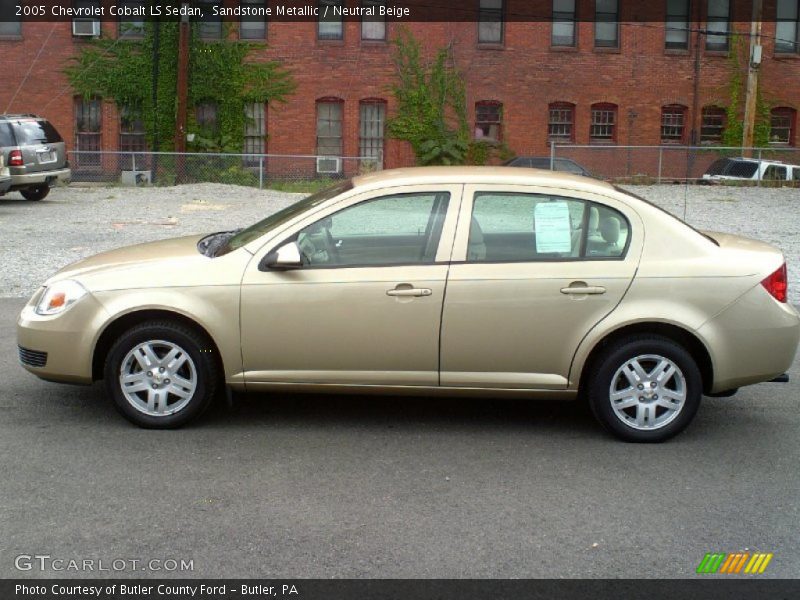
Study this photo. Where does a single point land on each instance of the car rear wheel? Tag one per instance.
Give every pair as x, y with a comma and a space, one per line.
645, 389
35, 193
161, 374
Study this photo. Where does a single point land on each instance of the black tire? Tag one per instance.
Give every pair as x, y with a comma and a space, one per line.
622, 421
200, 366
35, 193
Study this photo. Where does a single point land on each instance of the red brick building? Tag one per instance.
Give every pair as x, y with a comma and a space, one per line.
594, 76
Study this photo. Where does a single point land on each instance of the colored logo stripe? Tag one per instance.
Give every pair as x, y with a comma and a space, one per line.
718, 562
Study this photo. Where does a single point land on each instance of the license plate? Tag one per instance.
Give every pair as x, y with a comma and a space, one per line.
46, 156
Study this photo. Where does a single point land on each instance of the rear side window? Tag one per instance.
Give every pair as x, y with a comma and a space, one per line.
6, 135
36, 132
511, 227
775, 173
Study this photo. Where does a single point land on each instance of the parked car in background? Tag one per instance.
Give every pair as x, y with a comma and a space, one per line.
5, 176
35, 154
457, 281
750, 169
565, 165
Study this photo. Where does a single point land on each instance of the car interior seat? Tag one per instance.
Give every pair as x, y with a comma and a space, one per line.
476, 248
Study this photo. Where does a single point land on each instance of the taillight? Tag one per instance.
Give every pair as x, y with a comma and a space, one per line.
777, 284
15, 158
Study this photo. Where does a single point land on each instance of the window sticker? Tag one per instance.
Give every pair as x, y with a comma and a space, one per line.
553, 227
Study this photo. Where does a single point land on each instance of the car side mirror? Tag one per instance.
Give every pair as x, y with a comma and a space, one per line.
285, 258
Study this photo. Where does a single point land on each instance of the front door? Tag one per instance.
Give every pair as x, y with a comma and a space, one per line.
365, 308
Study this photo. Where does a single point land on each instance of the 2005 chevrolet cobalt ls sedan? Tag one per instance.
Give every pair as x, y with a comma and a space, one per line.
493, 281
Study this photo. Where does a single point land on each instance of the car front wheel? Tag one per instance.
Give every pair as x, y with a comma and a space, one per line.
645, 389
35, 193
161, 374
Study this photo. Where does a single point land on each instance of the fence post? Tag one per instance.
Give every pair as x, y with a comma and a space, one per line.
552, 155
660, 162
133, 164
260, 172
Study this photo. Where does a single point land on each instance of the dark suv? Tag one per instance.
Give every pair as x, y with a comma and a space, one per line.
34, 153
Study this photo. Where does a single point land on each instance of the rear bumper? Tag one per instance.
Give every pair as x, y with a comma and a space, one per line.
58, 176
752, 341
5, 185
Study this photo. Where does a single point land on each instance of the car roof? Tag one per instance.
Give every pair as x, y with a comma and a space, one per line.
21, 116
480, 175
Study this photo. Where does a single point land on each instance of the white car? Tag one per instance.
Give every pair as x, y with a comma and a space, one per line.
750, 169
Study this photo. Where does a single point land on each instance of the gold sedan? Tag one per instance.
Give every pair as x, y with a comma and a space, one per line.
460, 281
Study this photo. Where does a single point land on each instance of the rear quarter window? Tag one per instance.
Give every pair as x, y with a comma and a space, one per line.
6, 135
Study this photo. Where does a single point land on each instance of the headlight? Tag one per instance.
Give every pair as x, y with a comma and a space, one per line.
59, 297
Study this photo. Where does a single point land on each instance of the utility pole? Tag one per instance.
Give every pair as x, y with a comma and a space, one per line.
183, 82
752, 78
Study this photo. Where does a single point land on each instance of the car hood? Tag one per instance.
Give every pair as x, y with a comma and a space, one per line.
171, 262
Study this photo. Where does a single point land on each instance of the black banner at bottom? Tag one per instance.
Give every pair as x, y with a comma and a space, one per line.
399, 589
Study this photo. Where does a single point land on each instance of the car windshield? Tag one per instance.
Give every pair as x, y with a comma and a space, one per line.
245, 236
36, 132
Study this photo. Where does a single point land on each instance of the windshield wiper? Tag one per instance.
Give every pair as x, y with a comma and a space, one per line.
209, 245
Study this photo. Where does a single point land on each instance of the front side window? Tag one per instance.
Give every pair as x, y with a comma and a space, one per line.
402, 229
329, 127
255, 132
373, 28
787, 28
673, 124
606, 24
604, 123
713, 124
253, 25
560, 127
718, 25
782, 123
563, 23
677, 25
330, 25
372, 131
490, 21
488, 121
515, 227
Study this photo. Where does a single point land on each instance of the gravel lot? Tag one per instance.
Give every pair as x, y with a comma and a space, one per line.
74, 222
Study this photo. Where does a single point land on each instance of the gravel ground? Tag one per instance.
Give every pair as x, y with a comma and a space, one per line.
74, 222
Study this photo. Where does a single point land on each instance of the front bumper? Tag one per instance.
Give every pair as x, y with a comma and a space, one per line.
58, 176
67, 339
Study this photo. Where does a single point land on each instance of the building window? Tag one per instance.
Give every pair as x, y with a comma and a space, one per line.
131, 27
782, 124
604, 123
86, 26
205, 114
677, 25
88, 129
563, 23
561, 125
10, 23
253, 26
490, 21
372, 127
373, 28
329, 27
673, 124
712, 125
787, 28
606, 24
131, 129
329, 127
718, 24
488, 120
255, 132
209, 27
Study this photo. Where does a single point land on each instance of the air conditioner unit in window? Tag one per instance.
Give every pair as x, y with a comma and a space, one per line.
86, 27
329, 164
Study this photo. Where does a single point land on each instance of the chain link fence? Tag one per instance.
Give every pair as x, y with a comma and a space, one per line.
775, 166
254, 170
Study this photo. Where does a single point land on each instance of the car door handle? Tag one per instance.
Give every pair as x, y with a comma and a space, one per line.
581, 289
405, 292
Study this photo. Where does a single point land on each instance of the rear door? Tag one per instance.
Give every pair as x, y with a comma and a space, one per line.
534, 270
